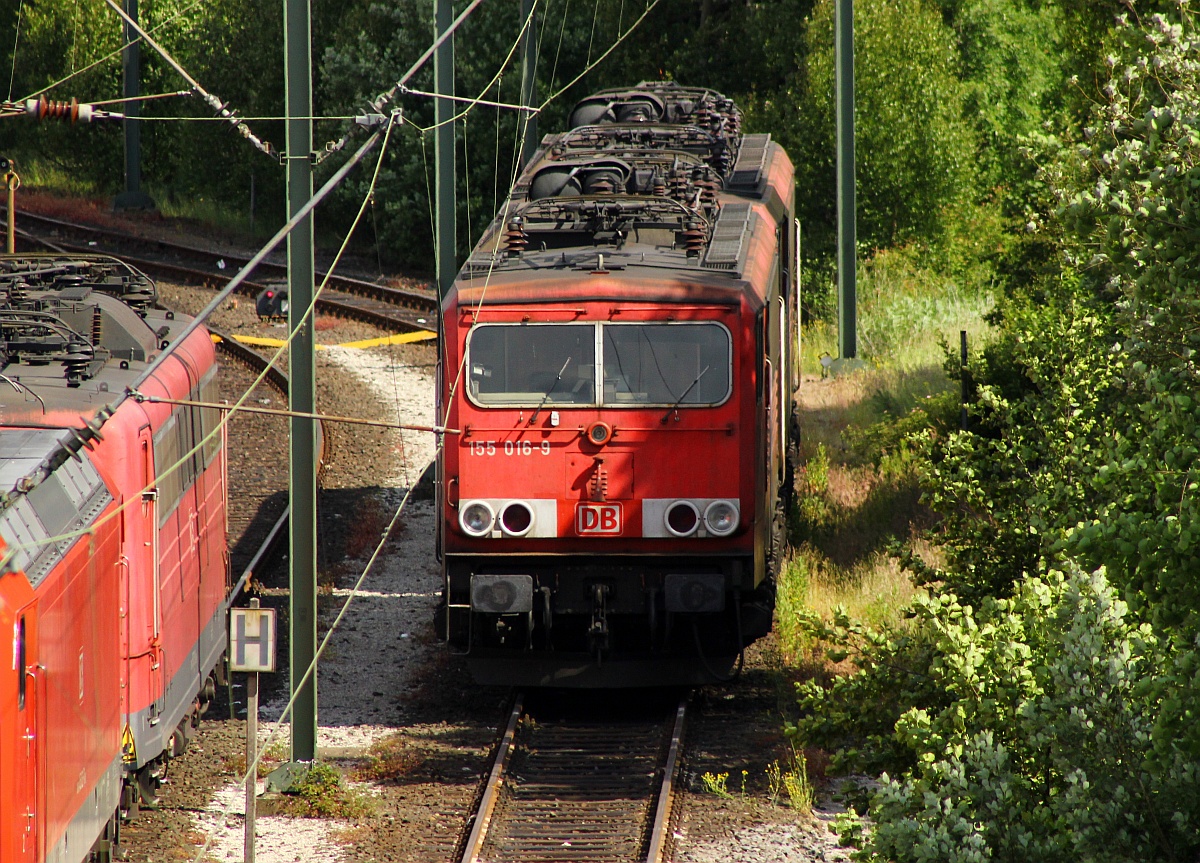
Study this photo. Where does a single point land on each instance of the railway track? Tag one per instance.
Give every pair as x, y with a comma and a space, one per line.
403, 309
258, 511
580, 787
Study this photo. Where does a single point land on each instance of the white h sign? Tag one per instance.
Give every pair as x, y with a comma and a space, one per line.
251, 639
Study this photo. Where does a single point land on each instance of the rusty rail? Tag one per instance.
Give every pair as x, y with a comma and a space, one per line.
580, 790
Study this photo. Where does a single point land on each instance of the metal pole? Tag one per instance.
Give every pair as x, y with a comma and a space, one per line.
443, 84
529, 140
11, 181
302, 496
964, 389
251, 754
133, 198
847, 235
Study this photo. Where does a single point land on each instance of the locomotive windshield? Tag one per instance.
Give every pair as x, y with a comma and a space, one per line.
640, 365
523, 364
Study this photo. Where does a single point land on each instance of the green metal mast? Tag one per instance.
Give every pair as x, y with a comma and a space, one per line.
133, 198
529, 140
443, 84
302, 495
847, 234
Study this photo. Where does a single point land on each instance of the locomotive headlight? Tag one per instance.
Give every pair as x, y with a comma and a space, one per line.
477, 518
682, 518
516, 518
721, 517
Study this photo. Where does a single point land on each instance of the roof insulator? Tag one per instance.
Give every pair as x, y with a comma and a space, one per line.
516, 240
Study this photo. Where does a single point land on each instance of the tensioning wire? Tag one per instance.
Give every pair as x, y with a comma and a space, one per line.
310, 671
496, 79
213, 101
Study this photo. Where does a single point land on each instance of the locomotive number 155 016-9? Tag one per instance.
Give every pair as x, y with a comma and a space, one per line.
509, 447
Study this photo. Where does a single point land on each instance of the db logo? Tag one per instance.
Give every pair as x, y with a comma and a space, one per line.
598, 518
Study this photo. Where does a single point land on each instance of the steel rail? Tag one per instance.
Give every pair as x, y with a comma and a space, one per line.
664, 809
590, 790
276, 378
380, 312
491, 793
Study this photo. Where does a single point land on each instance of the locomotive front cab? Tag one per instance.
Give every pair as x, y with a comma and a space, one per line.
598, 504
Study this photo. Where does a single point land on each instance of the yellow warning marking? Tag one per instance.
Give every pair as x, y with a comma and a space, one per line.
128, 748
263, 342
401, 339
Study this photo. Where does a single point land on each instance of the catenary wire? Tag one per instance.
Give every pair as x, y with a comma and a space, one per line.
12, 76
252, 768
110, 55
197, 321
215, 103
503, 216
381, 101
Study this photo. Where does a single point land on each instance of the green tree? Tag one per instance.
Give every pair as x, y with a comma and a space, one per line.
915, 150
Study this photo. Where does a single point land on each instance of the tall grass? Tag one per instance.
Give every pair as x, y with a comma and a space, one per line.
46, 176
906, 312
857, 489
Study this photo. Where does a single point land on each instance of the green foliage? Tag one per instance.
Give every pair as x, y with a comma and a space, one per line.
914, 151
813, 488
855, 715
1011, 72
1055, 657
1046, 749
321, 794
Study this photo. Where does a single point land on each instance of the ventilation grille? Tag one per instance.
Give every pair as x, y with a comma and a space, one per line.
729, 237
748, 169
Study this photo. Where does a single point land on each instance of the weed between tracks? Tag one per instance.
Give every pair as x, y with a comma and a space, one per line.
323, 794
388, 759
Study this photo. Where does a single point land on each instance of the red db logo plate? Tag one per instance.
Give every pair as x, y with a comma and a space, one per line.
598, 519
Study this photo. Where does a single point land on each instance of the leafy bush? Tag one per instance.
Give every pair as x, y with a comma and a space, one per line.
1047, 748
321, 794
1040, 704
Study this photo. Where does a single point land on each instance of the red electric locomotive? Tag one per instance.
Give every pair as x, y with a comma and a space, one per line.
114, 578
620, 356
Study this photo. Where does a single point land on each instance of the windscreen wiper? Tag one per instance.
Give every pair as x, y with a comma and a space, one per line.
552, 386
673, 408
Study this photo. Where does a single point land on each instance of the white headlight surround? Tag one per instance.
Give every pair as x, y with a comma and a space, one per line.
516, 518
476, 518
721, 517
681, 518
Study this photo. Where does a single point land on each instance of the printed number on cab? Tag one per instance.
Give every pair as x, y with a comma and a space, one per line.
509, 447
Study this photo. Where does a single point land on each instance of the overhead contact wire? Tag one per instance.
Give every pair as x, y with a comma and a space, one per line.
503, 216
383, 99
252, 769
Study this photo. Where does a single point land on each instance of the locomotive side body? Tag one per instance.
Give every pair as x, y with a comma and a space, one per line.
114, 580
617, 358
62, 723
178, 577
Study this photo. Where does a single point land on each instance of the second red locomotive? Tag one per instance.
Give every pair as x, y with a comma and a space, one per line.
114, 576
620, 357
